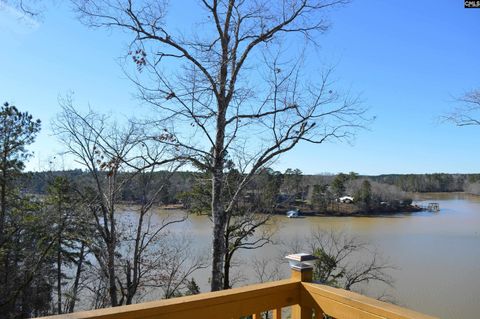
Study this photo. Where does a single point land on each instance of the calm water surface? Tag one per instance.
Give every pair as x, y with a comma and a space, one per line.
436, 255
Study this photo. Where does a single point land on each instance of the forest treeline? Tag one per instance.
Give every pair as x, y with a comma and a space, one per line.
437, 182
182, 182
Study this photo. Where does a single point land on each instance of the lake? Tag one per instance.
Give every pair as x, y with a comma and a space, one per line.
436, 255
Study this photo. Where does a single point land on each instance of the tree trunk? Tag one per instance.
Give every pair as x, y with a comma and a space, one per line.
218, 210
131, 286
3, 198
226, 275
111, 274
59, 276
59, 257
71, 305
112, 243
219, 224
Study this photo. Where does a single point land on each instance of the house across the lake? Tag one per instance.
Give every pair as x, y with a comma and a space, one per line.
346, 199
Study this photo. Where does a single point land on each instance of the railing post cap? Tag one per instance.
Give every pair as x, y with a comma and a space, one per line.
301, 261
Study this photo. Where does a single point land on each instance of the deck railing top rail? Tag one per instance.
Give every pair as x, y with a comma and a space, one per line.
339, 303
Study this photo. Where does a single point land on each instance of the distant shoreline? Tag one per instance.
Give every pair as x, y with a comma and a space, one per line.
345, 210
353, 211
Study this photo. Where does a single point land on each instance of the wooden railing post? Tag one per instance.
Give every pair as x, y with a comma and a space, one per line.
304, 275
302, 270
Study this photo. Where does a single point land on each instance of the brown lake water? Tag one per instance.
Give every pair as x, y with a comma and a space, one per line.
436, 255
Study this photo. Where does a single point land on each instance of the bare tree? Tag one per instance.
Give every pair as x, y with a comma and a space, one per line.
245, 231
266, 269
114, 158
230, 89
468, 111
346, 261
178, 263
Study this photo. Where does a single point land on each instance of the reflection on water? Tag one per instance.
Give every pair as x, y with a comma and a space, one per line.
437, 255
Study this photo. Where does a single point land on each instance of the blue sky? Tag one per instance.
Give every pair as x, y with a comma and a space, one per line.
409, 59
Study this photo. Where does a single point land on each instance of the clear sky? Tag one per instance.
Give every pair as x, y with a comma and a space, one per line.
409, 59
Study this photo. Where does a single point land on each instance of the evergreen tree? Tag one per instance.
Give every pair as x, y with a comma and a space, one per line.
17, 130
364, 195
192, 288
73, 231
338, 185
320, 197
26, 239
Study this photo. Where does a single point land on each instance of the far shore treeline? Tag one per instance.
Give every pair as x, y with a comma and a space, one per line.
291, 182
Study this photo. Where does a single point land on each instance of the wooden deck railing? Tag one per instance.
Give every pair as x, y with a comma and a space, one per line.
339, 303
307, 300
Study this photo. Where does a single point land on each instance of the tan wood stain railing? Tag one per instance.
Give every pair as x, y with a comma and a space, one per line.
307, 300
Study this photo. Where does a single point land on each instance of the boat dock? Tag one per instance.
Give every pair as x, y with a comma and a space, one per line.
433, 207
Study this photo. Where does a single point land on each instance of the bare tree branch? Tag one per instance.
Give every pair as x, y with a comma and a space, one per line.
227, 88
468, 111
